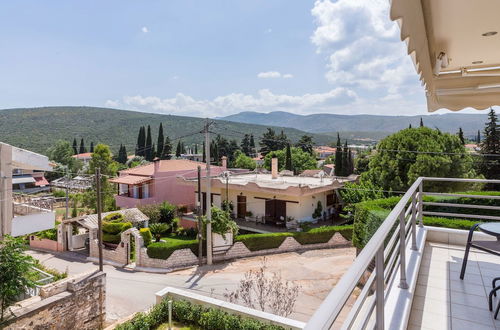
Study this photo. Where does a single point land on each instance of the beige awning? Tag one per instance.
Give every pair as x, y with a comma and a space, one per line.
131, 179
455, 46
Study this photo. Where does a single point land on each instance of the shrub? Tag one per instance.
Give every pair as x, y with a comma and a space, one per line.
322, 234
146, 236
59, 193
163, 250
197, 315
449, 223
47, 234
115, 227
256, 242
111, 238
222, 222
114, 217
152, 212
167, 212
157, 229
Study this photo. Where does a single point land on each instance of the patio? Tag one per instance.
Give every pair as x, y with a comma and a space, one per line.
442, 300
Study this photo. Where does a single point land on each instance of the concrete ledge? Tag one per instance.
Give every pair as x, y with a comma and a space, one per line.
178, 294
454, 236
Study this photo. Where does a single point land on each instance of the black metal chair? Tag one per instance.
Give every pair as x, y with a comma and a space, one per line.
492, 247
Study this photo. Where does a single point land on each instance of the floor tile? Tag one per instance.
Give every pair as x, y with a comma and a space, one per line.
468, 299
469, 288
471, 314
458, 324
429, 320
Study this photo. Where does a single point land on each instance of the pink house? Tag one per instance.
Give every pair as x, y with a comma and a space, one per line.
157, 182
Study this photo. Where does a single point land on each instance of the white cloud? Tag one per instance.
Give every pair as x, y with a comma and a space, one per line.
144, 29
274, 74
112, 103
364, 52
269, 74
264, 100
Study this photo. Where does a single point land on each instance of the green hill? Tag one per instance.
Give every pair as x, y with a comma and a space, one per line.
37, 129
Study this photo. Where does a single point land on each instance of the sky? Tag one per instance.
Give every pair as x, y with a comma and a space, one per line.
207, 58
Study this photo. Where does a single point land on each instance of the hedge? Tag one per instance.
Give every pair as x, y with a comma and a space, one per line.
146, 236
163, 250
111, 238
191, 314
115, 227
114, 217
257, 242
369, 215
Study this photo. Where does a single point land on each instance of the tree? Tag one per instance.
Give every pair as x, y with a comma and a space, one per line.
62, 154
148, 152
288, 158
15, 266
408, 154
362, 160
421, 122
245, 145
282, 141
178, 150
461, 135
268, 142
141, 142
301, 160
167, 149
345, 161
101, 158
91, 147
306, 144
478, 138
75, 147
122, 154
490, 148
82, 147
338, 157
409, 126
244, 161
160, 142
252, 146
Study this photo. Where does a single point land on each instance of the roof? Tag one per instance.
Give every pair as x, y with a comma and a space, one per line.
133, 215
83, 155
171, 165
130, 179
324, 149
41, 181
454, 47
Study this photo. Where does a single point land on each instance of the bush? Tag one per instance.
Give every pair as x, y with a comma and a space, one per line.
167, 212
193, 314
111, 238
157, 229
146, 236
257, 242
163, 250
114, 217
59, 193
115, 227
47, 234
152, 212
449, 223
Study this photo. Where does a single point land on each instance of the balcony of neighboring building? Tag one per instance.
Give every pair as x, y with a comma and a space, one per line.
133, 191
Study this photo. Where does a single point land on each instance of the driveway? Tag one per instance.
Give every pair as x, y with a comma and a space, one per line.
128, 291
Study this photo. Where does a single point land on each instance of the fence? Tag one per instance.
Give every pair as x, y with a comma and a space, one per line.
383, 260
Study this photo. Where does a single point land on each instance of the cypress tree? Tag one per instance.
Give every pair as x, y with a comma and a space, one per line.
148, 149
125, 158
178, 150
345, 160
338, 157
75, 147
409, 126
461, 135
161, 139
91, 146
252, 146
82, 147
183, 148
421, 122
141, 142
351, 163
288, 158
196, 148
478, 139
167, 149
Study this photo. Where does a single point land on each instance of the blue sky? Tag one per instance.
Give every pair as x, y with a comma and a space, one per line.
207, 58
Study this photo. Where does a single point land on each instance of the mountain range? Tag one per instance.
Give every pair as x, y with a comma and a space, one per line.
327, 123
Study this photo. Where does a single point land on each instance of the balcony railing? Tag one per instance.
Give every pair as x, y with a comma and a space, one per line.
361, 299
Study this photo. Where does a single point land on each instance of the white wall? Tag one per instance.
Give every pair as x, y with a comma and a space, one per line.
78, 241
31, 223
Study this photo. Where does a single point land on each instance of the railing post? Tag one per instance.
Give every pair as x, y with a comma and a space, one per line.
402, 250
420, 204
379, 288
414, 222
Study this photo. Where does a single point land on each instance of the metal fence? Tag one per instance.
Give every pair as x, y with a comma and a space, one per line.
358, 299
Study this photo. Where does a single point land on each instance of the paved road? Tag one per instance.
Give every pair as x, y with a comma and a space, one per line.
129, 291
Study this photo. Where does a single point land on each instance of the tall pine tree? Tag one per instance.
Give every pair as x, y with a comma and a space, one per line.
338, 157
75, 147
461, 135
160, 142
91, 146
288, 158
478, 138
345, 160
421, 122
178, 150
245, 145
82, 147
490, 148
141, 142
167, 149
252, 146
148, 152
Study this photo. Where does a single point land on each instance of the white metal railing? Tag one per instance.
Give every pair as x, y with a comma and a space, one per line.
383, 258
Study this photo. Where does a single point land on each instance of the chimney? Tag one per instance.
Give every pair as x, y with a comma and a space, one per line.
156, 163
224, 162
274, 168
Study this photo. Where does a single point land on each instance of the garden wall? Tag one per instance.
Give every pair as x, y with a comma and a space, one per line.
118, 256
45, 244
73, 303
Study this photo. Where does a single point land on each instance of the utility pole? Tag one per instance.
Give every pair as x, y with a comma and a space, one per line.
67, 194
200, 224
209, 195
99, 219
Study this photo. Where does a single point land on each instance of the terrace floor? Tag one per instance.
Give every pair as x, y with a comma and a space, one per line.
443, 301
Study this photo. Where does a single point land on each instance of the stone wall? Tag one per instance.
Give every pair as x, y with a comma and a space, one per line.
72, 303
185, 257
118, 256
45, 244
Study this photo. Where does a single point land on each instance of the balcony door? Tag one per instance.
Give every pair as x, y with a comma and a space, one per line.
275, 210
241, 209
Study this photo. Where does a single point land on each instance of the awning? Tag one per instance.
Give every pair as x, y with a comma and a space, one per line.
40, 181
130, 179
22, 179
455, 46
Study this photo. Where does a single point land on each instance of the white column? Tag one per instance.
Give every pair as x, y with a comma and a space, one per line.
6, 213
